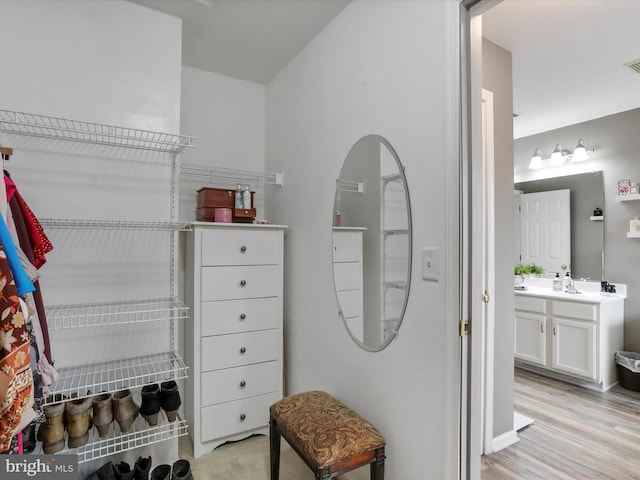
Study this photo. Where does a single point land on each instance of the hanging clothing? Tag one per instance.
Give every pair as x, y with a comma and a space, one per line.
15, 359
22, 282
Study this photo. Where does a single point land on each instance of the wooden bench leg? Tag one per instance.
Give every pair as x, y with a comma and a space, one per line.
274, 449
377, 467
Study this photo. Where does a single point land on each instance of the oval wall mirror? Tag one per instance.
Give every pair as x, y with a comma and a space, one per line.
372, 242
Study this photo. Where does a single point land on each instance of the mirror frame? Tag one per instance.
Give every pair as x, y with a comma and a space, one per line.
405, 183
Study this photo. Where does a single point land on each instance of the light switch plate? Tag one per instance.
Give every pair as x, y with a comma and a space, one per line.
430, 264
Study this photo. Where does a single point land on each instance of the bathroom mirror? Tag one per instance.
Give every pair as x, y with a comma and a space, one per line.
372, 242
587, 230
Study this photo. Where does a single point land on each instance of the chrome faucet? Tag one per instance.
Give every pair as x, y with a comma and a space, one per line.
571, 287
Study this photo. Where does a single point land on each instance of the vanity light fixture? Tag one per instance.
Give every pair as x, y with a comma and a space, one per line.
560, 156
536, 160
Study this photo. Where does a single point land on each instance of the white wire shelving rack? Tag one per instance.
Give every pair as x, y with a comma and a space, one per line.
211, 172
140, 435
109, 376
35, 125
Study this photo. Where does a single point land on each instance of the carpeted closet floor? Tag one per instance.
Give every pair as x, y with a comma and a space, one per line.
249, 460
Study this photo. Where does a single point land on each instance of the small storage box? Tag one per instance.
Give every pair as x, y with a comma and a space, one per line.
210, 199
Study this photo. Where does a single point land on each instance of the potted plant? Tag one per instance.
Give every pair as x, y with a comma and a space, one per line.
522, 272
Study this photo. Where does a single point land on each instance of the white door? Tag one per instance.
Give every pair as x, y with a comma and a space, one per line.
545, 230
574, 347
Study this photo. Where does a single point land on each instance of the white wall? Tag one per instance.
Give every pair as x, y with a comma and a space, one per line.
107, 62
376, 69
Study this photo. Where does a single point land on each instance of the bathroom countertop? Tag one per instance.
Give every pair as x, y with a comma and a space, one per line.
590, 297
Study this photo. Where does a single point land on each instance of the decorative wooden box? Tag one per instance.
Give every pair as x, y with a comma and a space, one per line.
211, 198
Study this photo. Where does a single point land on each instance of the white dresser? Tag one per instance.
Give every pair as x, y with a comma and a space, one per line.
234, 338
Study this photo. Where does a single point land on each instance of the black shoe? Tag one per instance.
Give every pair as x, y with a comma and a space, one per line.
29, 438
123, 471
142, 467
181, 470
105, 472
150, 406
170, 399
161, 472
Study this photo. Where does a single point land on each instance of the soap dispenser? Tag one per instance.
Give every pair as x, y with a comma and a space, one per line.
567, 280
557, 283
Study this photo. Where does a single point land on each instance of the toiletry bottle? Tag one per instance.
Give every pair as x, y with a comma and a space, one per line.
557, 283
238, 203
567, 281
246, 198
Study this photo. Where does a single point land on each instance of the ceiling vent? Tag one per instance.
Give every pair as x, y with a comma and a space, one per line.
634, 65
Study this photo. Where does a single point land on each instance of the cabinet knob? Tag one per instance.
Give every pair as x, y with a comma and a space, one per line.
243, 283
243, 384
243, 249
243, 350
242, 316
243, 416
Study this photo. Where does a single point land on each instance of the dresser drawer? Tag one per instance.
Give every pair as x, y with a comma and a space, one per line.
347, 246
235, 316
239, 247
348, 276
225, 351
225, 419
583, 311
530, 304
230, 283
232, 384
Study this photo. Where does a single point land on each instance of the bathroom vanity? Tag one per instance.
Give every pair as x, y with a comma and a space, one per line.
573, 337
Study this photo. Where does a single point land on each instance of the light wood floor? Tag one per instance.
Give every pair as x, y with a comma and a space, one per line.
576, 434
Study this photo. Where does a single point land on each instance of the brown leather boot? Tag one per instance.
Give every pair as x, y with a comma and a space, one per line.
102, 413
51, 432
78, 418
125, 409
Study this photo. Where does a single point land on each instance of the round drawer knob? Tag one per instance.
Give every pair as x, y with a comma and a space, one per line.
243, 384
243, 283
243, 350
242, 316
243, 249
243, 416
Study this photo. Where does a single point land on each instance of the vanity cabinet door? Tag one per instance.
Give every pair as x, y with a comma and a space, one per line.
574, 347
530, 338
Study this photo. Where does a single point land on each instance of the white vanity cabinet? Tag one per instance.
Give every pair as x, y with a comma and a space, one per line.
234, 339
574, 338
347, 271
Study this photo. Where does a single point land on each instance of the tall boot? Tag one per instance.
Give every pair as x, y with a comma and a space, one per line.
170, 399
105, 472
102, 413
181, 470
150, 406
78, 418
51, 432
141, 468
125, 410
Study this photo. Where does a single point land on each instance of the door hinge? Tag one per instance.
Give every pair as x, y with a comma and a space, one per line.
464, 328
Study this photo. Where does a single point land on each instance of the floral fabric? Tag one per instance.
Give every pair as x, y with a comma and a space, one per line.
322, 429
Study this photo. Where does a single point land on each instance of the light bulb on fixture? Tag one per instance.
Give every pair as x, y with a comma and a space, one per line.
536, 160
579, 153
557, 158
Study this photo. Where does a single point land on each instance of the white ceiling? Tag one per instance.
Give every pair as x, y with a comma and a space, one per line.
568, 55
568, 59
247, 39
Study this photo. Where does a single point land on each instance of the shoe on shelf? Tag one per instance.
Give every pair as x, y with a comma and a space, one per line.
141, 468
123, 471
125, 410
181, 470
29, 438
77, 414
170, 399
105, 472
51, 432
102, 413
161, 472
150, 406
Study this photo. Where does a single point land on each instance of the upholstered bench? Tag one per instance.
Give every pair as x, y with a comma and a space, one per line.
330, 437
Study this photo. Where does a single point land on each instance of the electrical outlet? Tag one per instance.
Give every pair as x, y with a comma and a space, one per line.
430, 264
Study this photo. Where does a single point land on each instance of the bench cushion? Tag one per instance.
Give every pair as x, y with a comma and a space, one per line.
323, 430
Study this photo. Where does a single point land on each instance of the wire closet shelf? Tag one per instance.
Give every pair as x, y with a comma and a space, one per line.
36, 125
245, 176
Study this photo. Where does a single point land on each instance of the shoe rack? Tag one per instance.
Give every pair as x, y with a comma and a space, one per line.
96, 319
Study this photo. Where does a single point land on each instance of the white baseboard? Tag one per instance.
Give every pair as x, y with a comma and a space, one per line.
505, 440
